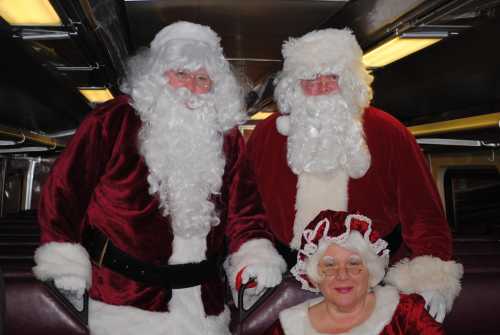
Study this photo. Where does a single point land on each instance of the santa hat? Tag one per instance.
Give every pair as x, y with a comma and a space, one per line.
183, 30
321, 51
351, 231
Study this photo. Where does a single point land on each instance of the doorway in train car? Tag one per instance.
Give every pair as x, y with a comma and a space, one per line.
472, 197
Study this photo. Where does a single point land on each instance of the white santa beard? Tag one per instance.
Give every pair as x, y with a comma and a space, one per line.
326, 134
183, 150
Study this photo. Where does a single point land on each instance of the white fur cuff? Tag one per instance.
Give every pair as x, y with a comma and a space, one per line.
258, 251
61, 259
427, 273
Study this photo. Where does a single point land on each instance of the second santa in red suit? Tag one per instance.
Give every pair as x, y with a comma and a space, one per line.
326, 148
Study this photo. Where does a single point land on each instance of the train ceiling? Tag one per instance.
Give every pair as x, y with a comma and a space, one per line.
45, 66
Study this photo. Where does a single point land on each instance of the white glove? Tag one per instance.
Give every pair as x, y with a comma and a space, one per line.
435, 304
73, 288
264, 274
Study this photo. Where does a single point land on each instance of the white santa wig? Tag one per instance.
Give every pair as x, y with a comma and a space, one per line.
328, 51
181, 138
185, 46
350, 231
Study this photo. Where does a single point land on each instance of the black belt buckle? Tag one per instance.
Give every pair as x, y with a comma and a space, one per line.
102, 253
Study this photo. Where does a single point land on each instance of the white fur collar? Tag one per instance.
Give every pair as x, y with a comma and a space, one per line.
316, 193
295, 320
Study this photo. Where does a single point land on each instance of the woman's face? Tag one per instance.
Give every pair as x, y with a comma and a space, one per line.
344, 278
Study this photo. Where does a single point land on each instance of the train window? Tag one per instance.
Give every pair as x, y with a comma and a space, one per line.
472, 199
22, 178
14, 183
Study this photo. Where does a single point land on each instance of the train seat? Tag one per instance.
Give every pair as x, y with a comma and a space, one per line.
33, 308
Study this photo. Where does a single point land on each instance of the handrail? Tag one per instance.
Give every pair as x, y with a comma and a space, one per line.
25, 135
466, 123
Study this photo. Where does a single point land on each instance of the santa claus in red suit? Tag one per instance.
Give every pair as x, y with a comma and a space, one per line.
326, 148
135, 208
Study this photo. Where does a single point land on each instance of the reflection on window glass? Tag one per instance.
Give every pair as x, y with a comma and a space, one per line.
473, 200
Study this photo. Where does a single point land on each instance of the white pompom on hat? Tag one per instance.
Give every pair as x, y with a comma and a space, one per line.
183, 30
321, 51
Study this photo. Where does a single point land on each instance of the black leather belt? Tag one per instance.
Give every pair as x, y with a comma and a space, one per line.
103, 252
394, 240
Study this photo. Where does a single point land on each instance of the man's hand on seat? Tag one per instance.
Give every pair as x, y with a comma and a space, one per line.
264, 275
73, 288
435, 304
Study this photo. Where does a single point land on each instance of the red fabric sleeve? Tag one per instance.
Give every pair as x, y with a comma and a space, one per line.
411, 318
246, 215
69, 187
424, 226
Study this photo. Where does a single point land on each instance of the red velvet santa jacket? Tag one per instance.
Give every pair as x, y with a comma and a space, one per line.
397, 188
100, 181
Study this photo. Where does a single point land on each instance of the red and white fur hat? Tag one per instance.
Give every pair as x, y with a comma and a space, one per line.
351, 231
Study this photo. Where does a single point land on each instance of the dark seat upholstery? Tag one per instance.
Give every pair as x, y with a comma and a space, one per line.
32, 308
265, 312
477, 309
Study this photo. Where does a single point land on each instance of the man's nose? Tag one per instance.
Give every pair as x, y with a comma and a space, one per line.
191, 85
324, 83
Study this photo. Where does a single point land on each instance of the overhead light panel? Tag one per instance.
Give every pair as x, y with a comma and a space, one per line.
96, 95
29, 13
397, 48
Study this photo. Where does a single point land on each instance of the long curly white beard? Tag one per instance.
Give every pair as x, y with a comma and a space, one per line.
325, 134
182, 148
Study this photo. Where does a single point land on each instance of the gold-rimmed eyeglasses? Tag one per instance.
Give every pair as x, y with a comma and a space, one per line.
332, 270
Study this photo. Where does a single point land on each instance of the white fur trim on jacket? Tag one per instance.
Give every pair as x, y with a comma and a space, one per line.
61, 259
427, 273
316, 193
257, 251
295, 320
186, 317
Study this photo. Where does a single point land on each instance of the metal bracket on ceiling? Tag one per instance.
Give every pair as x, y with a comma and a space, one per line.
490, 144
457, 142
96, 66
42, 34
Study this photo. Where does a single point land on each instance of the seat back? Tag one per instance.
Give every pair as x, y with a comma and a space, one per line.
265, 312
33, 308
476, 310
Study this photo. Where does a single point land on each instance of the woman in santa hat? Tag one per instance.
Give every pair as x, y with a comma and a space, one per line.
342, 257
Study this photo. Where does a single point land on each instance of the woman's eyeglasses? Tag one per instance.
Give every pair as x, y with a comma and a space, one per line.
332, 270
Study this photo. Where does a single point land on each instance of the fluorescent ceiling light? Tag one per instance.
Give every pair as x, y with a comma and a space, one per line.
29, 13
260, 116
395, 49
96, 95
